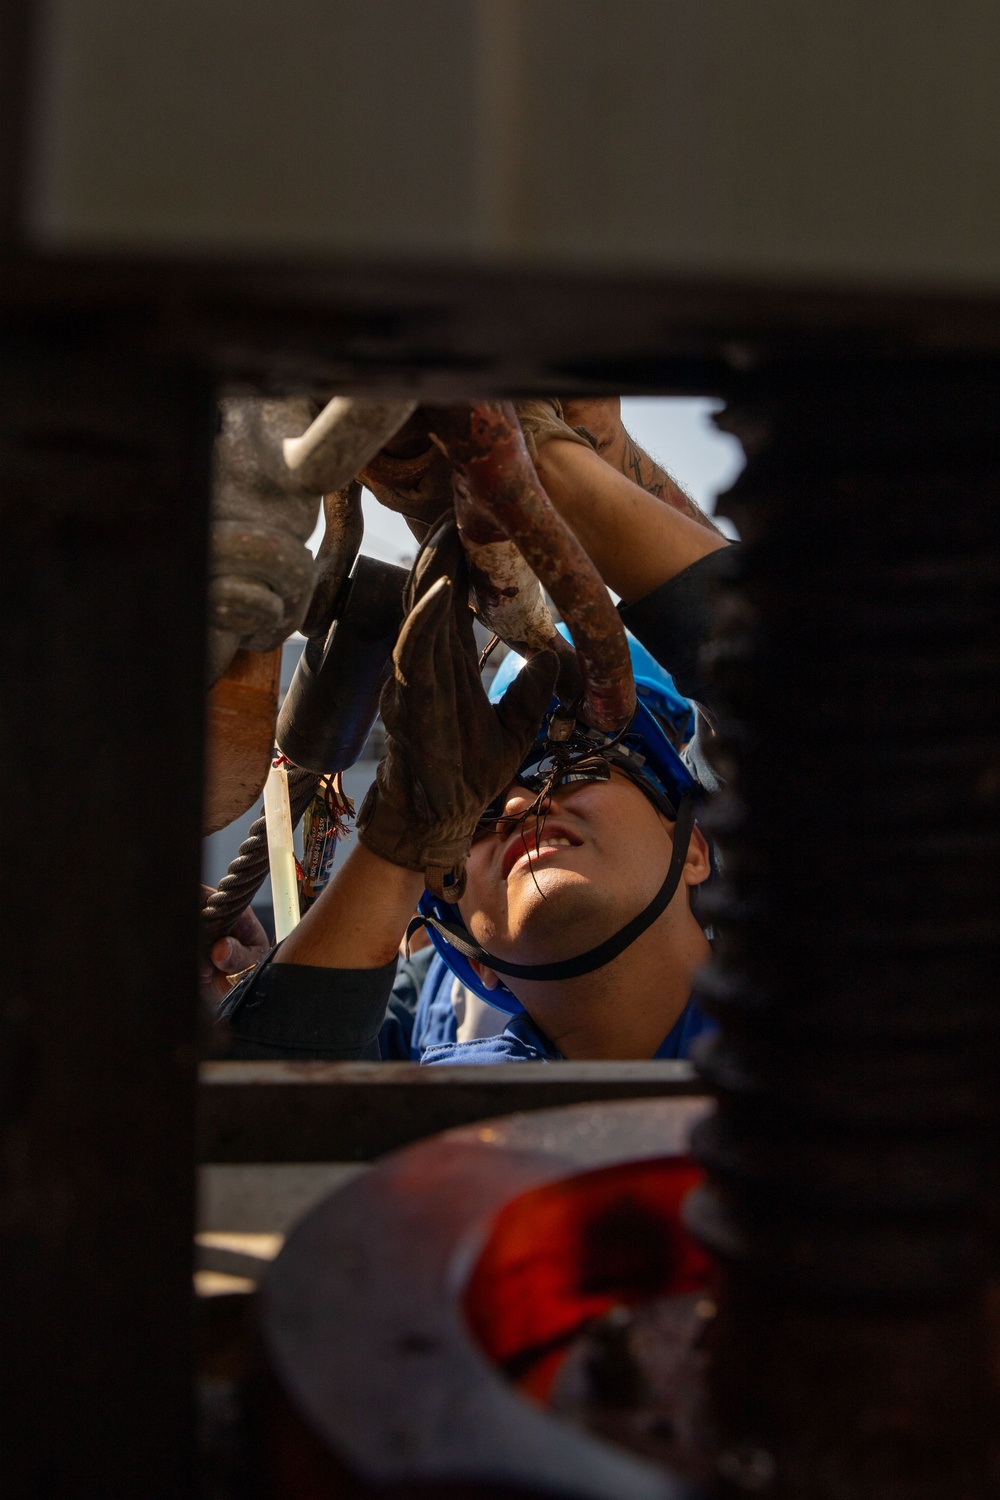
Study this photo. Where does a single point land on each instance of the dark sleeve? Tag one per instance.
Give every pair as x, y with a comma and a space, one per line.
294, 1012
675, 620
396, 1036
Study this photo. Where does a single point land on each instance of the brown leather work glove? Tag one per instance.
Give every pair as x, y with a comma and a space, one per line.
449, 751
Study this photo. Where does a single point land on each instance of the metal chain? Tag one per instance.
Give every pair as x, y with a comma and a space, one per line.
248, 869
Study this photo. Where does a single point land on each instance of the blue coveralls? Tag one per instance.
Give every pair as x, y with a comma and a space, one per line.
434, 1040
298, 1011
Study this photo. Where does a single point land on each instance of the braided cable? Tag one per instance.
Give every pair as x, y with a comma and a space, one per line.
248, 869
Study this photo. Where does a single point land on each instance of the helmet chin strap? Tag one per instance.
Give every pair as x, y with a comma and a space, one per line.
594, 958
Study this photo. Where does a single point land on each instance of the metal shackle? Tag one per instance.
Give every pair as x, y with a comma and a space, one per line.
332, 701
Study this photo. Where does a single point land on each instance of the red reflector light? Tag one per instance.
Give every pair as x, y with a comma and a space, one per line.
564, 1254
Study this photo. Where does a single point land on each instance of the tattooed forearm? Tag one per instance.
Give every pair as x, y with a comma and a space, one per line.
641, 469
602, 417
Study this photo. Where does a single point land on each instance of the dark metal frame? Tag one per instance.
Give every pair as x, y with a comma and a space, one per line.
111, 369
334, 1112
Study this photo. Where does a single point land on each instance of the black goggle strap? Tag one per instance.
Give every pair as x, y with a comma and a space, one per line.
594, 958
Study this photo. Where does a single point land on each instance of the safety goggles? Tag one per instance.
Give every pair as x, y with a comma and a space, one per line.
539, 782
591, 767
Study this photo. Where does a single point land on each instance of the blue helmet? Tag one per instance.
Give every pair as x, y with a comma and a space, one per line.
654, 687
644, 753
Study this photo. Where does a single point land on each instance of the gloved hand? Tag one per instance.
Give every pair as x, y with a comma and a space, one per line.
544, 419
417, 481
449, 751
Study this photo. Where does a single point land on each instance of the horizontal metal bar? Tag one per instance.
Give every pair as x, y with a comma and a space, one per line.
312, 1112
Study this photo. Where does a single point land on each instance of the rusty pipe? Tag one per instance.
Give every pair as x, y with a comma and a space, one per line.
496, 482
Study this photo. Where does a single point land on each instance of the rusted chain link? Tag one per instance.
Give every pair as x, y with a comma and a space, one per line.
498, 493
248, 870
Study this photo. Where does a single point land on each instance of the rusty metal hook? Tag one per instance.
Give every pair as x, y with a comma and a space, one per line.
498, 495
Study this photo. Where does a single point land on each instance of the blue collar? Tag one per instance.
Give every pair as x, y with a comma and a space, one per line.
523, 1041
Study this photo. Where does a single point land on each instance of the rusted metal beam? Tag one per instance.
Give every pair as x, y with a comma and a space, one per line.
303, 1112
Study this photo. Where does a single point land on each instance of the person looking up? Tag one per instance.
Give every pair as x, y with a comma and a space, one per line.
614, 829
452, 1004
556, 869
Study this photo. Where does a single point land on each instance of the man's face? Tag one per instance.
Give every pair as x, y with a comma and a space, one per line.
559, 885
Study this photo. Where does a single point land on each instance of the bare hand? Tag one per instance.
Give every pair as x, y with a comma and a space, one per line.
603, 418
246, 945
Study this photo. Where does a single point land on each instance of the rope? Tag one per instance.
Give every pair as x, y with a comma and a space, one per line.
248, 869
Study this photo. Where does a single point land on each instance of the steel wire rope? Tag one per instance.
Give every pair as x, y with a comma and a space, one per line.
248, 868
